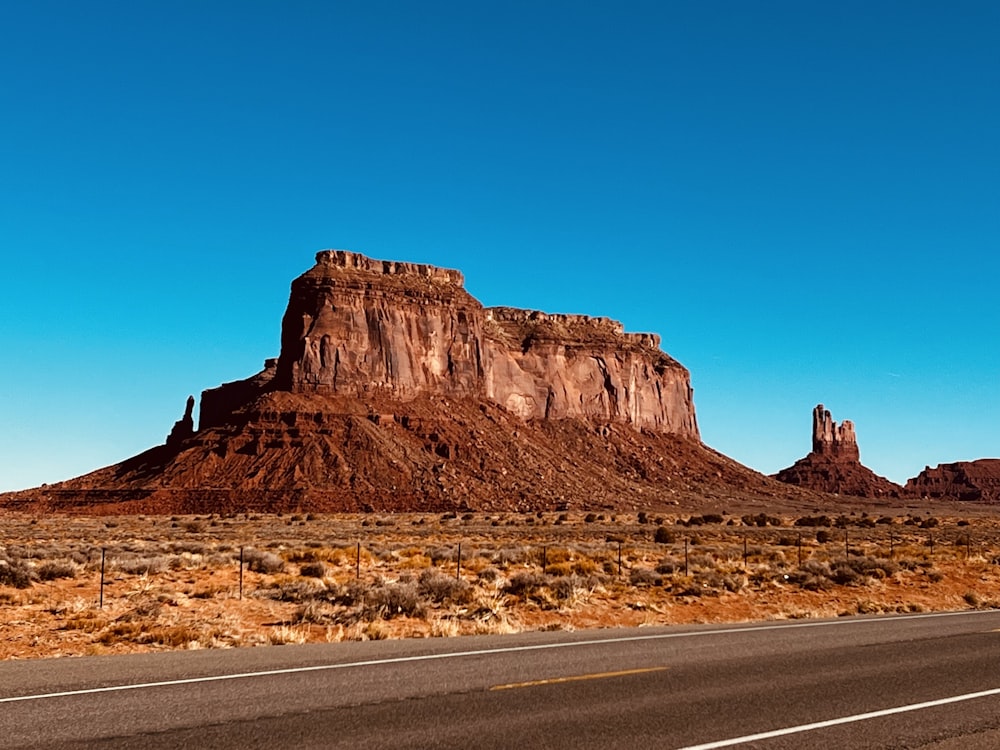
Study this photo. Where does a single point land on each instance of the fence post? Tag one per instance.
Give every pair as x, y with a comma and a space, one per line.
968, 545
685, 557
357, 564
458, 570
100, 604
545, 558
619, 559
745, 554
932, 543
798, 543
241, 573
891, 546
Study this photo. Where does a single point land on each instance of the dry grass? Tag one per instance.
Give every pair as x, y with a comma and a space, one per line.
175, 582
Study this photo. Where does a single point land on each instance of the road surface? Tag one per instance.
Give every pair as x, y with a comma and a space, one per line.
907, 681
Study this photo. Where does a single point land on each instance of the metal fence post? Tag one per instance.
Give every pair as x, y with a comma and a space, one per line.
241, 573
100, 604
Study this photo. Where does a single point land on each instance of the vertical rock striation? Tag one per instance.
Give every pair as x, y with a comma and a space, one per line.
831, 439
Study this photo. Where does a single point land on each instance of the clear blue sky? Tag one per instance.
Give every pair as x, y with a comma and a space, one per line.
802, 198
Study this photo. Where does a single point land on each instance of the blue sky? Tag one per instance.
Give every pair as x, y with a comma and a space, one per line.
801, 198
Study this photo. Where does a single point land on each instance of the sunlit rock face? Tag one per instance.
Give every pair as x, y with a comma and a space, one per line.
356, 326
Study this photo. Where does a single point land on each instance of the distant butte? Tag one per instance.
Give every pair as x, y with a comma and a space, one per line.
963, 480
834, 465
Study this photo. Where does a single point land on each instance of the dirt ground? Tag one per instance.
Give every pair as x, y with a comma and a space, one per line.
175, 581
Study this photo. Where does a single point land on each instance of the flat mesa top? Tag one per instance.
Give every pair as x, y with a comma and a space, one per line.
332, 260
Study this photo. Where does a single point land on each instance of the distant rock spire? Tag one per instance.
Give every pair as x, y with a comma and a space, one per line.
184, 427
831, 439
834, 465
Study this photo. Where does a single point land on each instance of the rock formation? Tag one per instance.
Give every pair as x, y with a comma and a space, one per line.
830, 439
365, 328
834, 465
184, 427
964, 480
396, 390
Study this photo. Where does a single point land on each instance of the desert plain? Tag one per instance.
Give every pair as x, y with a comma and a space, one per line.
177, 582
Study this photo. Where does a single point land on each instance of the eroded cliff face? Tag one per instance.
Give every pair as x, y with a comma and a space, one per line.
963, 480
543, 366
355, 325
831, 439
362, 327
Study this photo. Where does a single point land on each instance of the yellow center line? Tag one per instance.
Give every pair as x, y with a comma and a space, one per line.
577, 678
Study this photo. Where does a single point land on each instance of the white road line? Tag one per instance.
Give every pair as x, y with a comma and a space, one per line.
485, 652
842, 720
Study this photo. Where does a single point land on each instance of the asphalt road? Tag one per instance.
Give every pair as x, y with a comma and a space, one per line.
932, 681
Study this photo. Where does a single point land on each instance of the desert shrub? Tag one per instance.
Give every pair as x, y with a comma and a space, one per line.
844, 574
511, 556
668, 566
814, 521
929, 523
294, 590
441, 588
568, 588
14, 573
644, 577
876, 567
488, 574
823, 536
886, 520
302, 555
642, 517
686, 586
761, 519
664, 535
525, 583
590, 518
56, 569
312, 570
812, 576
260, 561
385, 601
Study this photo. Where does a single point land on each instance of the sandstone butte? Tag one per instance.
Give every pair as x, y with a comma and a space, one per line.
396, 390
963, 480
